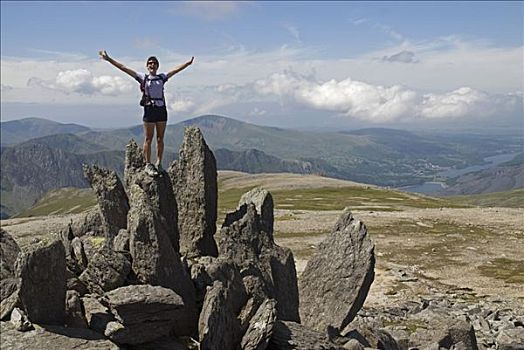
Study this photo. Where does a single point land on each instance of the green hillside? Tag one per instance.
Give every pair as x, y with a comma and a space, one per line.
510, 199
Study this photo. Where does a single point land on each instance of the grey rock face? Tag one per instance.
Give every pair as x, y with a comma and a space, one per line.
134, 162
293, 336
74, 313
96, 314
218, 326
91, 221
121, 242
8, 253
154, 260
42, 274
271, 268
9, 297
511, 339
53, 337
194, 178
337, 278
260, 327
145, 313
106, 271
111, 197
263, 202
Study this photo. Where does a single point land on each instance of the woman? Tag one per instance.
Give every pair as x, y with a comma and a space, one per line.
155, 111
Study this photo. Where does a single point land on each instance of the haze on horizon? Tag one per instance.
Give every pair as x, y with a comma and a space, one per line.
288, 64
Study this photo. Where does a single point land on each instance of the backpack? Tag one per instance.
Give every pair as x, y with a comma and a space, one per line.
146, 99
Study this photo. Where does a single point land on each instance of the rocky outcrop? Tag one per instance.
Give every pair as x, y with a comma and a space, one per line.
154, 259
42, 274
107, 270
111, 197
8, 253
293, 336
53, 337
263, 202
91, 221
267, 266
260, 327
144, 313
194, 178
337, 278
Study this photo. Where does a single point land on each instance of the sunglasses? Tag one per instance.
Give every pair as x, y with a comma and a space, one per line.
152, 62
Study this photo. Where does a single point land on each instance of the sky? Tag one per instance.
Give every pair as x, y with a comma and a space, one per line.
304, 65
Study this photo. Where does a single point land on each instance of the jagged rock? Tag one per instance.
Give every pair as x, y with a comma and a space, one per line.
145, 313
53, 337
106, 271
337, 278
294, 336
121, 242
7, 287
20, 321
154, 260
96, 314
111, 197
74, 314
459, 332
263, 202
10, 298
373, 338
218, 326
91, 221
78, 253
8, 253
134, 162
273, 268
158, 189
511, 339
260, 327
42, 273
194, 178
73, 283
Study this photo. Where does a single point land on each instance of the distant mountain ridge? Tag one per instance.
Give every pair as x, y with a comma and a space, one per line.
16, 131
385, 157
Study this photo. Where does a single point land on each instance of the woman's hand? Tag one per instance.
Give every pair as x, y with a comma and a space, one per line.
103, 55
190, 62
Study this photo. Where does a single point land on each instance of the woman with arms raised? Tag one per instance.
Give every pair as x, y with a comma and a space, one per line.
154, 103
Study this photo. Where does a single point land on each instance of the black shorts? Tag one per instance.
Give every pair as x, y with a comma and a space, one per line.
154, 114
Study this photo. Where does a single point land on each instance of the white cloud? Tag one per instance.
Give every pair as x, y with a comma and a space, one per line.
82, 81
293, 30
181, 106
257, 112
377, 103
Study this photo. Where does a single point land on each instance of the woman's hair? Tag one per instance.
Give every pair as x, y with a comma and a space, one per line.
153, 58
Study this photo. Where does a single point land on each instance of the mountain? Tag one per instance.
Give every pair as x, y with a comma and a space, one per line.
503, 177
16, 131
384, 157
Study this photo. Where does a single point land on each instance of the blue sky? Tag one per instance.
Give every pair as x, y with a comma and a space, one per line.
290, 64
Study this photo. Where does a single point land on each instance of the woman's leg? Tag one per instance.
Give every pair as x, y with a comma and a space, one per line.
160, 130
149, 130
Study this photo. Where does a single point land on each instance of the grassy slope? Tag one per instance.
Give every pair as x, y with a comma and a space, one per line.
510, 199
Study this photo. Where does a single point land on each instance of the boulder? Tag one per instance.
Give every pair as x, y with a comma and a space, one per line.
144, 313
263, 202
42, 273
336, 280
97, 315
260, 327
20, 321
111, 197
105, 271
8, 253
154, 259
218, 326
91, 221
53, 337
134, 162
244, 241
194, 178
74, 311
121, 242
294, 336
10, 299
511, 339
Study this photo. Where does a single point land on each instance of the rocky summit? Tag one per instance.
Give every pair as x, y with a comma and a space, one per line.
144, 271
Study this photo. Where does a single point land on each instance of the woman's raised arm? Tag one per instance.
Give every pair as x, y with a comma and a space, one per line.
103, 55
